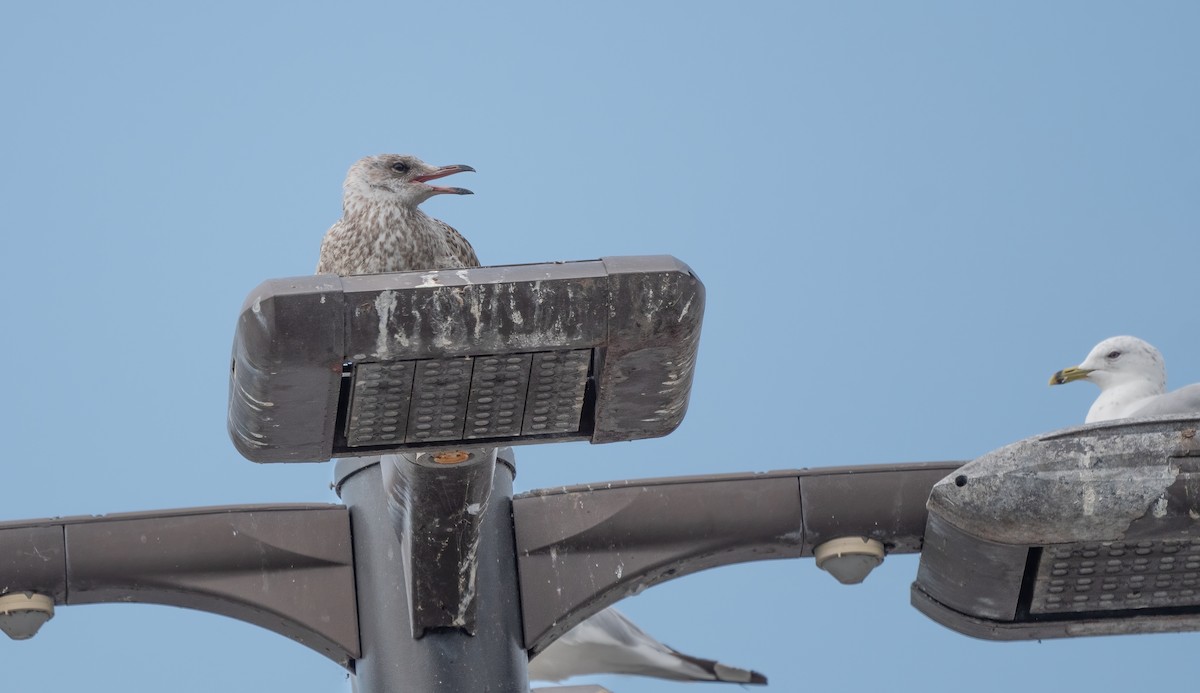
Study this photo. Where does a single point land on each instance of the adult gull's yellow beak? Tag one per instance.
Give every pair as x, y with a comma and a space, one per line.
1067, 375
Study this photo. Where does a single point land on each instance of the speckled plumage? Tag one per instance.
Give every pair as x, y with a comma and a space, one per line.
382, 229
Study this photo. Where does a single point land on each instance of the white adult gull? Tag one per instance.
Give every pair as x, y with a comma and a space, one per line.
1132, 380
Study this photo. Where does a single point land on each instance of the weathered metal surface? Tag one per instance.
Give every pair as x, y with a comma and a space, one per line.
653, 336
1090, 483
604, 351
1119, 623
437, 510
882, 502
484, 310
582, 548
973, 576
442, 659
1090, 530
287, 568
33, 559
287, 362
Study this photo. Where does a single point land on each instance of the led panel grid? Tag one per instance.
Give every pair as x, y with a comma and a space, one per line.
497, 401
557, 381
1088, 577
439, 399
379, 403
467, 398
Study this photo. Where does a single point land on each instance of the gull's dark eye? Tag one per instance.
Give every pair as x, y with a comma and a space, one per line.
400, 167
1113, 354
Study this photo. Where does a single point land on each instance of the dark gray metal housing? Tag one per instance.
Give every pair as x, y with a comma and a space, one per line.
442, 658
582, 548
601, 350
545, 560
1087, 531
287, 568
437, 511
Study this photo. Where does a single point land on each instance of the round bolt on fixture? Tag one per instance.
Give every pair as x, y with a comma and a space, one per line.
452, 457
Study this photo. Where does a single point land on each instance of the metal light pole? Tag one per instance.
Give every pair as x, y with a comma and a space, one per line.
488, 656
440, 367
433, 576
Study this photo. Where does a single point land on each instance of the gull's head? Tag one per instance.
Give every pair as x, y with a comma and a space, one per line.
1119, 361
399, 178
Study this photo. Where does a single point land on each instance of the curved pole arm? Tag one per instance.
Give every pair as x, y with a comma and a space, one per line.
288, 568
582, 548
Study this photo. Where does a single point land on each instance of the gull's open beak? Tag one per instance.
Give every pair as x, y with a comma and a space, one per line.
1067, 375
442, 173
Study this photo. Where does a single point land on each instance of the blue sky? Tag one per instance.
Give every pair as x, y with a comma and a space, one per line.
907, 216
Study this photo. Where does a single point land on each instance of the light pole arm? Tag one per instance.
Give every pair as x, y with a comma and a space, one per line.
582, 548
288, 568
578, 549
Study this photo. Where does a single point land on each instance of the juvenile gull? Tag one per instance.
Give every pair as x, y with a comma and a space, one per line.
1132, 380
609, 643
382, 229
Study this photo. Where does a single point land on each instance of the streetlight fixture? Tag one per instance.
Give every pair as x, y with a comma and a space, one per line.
433, 575
1090, 530
602, 350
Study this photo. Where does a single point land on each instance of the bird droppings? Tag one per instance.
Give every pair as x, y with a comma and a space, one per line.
255, 404
1089, 483
385, 303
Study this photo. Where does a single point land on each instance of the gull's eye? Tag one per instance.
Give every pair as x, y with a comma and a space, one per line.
400, 167
1113, 354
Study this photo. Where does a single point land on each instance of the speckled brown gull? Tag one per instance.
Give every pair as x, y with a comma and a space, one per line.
383, 230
